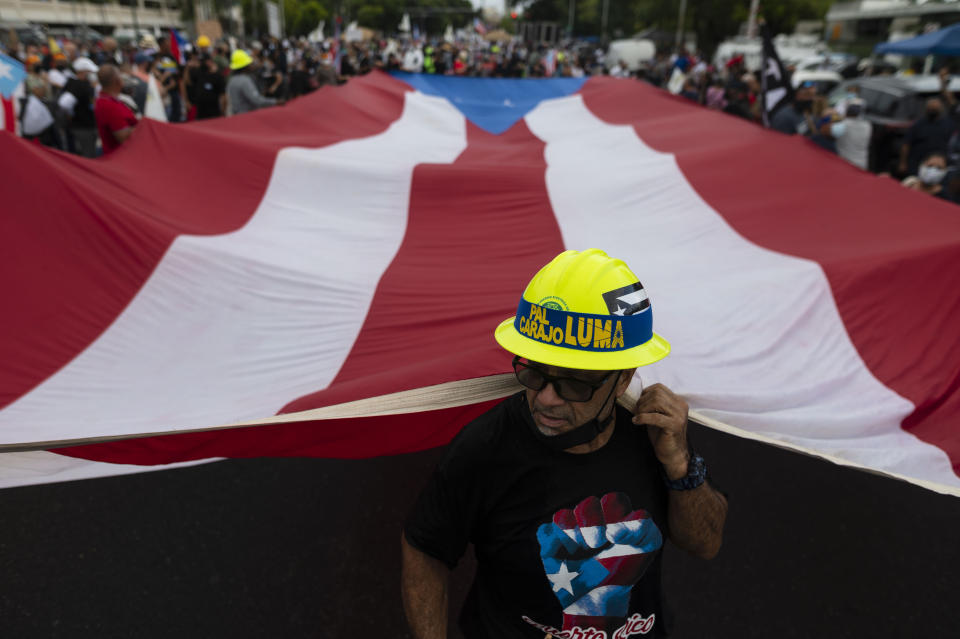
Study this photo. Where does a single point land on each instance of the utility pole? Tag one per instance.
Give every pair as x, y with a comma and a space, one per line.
573, 6
680, 34
603, 20
752, 21
136, 25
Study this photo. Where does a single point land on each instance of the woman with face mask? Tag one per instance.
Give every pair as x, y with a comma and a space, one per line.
931, 177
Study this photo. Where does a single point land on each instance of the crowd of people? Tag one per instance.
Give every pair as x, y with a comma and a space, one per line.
89, 92
929, 156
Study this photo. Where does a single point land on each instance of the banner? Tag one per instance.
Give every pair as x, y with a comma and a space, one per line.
332, 287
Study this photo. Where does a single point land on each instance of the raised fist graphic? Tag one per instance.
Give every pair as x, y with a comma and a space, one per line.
593, 555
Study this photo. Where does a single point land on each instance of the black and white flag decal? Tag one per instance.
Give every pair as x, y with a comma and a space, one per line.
626, 300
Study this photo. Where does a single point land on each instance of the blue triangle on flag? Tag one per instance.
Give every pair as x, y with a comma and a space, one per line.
493, 104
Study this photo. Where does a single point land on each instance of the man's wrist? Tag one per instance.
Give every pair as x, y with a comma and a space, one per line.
677, 469
696, 473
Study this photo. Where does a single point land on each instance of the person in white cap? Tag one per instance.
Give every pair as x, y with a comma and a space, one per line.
77, 102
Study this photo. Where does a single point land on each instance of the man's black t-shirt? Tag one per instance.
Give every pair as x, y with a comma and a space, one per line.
563, 541
208, 88
927, 136
83, 91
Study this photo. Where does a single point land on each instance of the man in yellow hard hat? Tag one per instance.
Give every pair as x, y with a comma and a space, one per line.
565, 495
242, 92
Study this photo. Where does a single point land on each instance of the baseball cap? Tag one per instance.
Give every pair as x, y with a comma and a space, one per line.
85, 64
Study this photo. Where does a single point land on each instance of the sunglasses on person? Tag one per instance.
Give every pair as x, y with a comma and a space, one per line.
568, 388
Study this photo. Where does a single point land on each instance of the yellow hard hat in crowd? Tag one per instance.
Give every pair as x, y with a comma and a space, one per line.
584, 310
239, 59
203, 42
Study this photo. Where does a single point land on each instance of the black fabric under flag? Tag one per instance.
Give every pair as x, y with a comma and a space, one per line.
775, 87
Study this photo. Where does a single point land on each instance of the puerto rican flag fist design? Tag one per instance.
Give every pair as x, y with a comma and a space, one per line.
593, 555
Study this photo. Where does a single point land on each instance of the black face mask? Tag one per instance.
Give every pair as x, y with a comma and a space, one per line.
804, 105
933, 115
579, 435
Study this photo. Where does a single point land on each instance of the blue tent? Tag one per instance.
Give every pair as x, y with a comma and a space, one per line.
943, 42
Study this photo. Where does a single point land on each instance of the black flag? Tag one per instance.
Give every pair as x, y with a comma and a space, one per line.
775, 87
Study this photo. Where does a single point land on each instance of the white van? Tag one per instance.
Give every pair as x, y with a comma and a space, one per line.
633, 53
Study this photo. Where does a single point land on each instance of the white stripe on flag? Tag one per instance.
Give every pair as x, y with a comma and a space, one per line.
748, 306
42, 467
215, 336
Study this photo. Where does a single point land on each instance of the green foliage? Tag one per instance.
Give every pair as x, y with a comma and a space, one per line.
311, 13
380, 15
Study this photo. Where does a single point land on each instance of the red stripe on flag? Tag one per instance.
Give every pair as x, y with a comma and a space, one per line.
891, 255
80, 248
354, 438
424, 310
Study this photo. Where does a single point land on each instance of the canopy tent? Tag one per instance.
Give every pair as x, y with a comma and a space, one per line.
324, 278
945, 42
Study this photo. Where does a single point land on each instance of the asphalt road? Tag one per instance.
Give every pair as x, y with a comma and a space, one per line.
308, 548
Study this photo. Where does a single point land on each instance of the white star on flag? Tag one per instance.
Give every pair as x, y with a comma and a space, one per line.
563, 579
5, 70
619, 311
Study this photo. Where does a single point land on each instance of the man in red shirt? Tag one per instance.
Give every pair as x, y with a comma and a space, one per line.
115, 120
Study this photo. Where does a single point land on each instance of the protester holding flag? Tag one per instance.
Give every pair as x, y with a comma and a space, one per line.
242, 93
566, 496
115, 120
775, 86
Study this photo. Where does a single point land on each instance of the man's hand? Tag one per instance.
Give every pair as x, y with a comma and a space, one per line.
665, 416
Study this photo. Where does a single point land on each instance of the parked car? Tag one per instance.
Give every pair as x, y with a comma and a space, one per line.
893, 103
80, 33
824, 81
26, 32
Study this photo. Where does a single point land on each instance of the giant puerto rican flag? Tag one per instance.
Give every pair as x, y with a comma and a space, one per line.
323, 279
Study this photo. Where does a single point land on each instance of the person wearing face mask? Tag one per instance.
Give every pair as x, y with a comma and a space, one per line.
929, 134
794, 118
852, 135
931, 177
566, 495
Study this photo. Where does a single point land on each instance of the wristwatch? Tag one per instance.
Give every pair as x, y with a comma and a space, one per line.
696, 475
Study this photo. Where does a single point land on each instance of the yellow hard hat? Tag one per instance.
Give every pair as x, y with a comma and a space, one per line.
239, 59
203, 42
584, 310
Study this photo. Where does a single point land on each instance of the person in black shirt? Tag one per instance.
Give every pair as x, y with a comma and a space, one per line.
208, 90
737, 99
566, 497
82, 124
300, 79
929, 134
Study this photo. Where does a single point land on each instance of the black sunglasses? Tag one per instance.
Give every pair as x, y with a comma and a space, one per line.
568, 388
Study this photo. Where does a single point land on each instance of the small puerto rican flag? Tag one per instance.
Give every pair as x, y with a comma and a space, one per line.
12, 75
177, 46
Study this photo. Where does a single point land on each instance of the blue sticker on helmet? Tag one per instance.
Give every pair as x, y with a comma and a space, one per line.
584, 331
